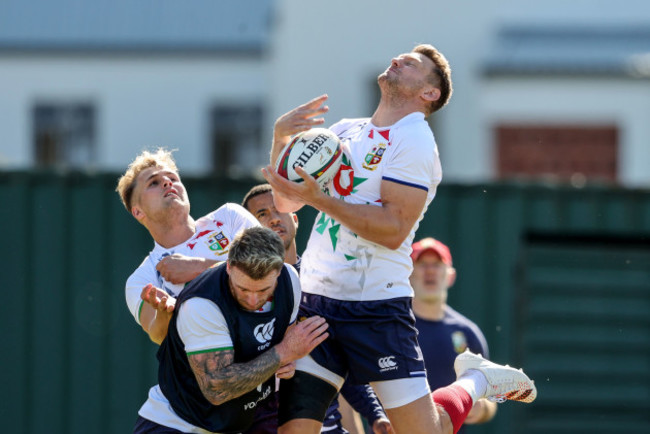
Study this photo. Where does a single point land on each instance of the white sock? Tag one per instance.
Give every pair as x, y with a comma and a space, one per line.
474, 383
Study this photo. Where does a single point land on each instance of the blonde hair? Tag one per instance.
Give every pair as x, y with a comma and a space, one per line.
127, 182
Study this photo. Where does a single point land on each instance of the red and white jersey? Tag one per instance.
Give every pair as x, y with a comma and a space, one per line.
339, 264
214, 234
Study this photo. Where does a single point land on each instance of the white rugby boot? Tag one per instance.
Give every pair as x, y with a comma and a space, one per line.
504, 382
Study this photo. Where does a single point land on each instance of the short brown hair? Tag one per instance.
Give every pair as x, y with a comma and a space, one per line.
256, 252
127, 182
441, 76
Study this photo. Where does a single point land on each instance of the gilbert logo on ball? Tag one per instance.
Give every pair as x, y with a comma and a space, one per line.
317, 151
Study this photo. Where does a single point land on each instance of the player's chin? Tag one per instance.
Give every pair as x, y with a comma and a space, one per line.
174, 200
428, 294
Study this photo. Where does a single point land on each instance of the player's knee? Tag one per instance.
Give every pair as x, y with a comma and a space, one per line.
304, 397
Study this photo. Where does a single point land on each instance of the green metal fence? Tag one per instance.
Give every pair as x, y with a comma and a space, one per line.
74, 361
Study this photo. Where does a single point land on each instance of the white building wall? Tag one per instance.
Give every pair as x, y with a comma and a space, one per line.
338, 47
140, 102
575, 101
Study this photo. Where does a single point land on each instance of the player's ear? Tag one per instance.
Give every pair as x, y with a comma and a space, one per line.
431, 94
295, 218
137, 213
451, 276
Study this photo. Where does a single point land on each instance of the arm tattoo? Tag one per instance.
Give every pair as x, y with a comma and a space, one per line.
221, 380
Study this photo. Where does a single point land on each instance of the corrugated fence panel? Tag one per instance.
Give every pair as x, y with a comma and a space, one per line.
16, 381
585, 331
89, 302
76, 361
49, 298
487, 290
131, 361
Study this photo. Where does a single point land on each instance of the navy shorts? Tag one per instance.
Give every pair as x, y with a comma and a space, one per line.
369, 340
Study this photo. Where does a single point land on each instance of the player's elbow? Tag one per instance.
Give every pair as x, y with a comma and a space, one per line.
395, 240
392, 242
214, 398
156, 338
157, 332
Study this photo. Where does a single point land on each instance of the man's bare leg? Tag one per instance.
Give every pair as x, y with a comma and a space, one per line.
420, 416
300, 426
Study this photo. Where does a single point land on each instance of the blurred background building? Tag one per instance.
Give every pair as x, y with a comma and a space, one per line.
555, 90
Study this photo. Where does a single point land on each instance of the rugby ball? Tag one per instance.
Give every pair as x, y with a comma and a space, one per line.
318, 151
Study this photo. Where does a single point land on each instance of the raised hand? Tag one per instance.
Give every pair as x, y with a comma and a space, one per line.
301, 118
158, 299
293, 193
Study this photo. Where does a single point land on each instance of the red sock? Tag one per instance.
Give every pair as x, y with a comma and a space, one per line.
456, 402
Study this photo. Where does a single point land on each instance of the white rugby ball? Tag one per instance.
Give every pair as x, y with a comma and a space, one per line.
318, 151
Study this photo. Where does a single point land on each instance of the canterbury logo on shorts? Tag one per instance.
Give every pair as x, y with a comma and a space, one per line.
387, 363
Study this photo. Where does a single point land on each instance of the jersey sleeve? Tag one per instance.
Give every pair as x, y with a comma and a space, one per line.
142, 276
202, 327
338, 127
295, 283
414, 159
236, 216
344, 125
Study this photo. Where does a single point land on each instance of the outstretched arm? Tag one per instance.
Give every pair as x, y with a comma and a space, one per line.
221, 380
387, 224
299, 119
156, 311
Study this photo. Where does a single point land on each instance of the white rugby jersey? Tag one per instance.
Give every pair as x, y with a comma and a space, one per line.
340, 264
214, 233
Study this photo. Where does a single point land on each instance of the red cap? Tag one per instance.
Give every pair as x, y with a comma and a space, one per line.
434, 245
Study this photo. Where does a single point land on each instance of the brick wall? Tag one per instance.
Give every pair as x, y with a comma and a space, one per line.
560, 152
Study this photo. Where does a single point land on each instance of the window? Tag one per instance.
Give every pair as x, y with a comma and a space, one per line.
561, 152
238, 148
64, 135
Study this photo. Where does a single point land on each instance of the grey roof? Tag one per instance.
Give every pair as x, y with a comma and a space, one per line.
571, 50
176, 25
